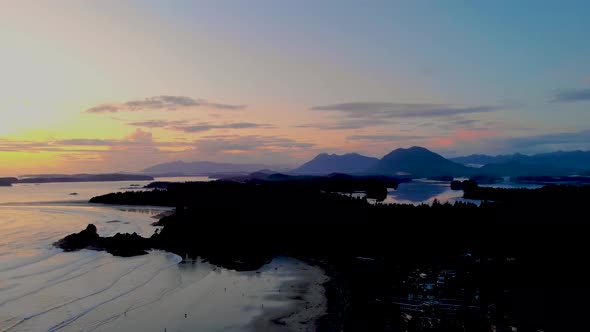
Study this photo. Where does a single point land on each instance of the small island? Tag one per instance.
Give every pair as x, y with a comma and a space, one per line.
7, 182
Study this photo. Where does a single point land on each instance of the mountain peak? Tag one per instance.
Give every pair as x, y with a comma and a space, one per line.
417, 161
349, 163
418, 148
412, 149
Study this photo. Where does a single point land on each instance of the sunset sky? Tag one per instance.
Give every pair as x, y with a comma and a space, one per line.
95, 86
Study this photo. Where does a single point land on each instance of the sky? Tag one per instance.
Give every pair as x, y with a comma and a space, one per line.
101, 86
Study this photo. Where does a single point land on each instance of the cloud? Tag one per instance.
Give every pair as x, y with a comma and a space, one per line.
103, 108
450, 122
571, 96
198, 127
343, 124
8, 145
215, 144
462, 136
224, 106
155, 123
207, 126
140, 149
464, 122
384, 138
169, 103
141, 145
387, 110
467, 142
457, 123
579, 137
137, 139
87, 142
140, 136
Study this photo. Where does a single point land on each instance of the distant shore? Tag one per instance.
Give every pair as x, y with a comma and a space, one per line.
309, 303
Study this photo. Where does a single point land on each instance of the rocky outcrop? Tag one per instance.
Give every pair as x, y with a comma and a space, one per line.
125, 245
86, 239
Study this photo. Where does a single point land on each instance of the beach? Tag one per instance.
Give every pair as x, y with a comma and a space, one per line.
306, 295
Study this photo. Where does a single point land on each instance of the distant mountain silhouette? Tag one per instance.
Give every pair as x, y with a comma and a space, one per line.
349, 163
415, 162
484, 159
418, 162
573, 160
517, 168
202, 168
579, 160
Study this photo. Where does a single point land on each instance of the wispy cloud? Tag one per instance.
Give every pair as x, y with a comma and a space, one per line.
387, 110
571, 96
343, 124
554, 139
456, 123
464, 122
88, 142
169, 103
200, 127
384, 138
197, 127
140, 149
156, 123
136, 139
248, 143
104, 108
9, 145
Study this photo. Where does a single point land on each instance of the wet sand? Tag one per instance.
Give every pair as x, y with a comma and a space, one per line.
306, 294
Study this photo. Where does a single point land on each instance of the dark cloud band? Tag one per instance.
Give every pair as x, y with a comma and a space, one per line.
169, 103
572, 96
386, 110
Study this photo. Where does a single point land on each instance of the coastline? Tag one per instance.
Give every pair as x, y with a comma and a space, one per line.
309, 303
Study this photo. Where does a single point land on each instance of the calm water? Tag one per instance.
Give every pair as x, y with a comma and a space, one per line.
45, 289
422, 191
60, 192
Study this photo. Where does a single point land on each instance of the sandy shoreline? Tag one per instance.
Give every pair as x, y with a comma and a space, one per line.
307, 295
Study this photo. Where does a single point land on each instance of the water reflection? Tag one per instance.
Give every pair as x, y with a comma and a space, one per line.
419, 191
60, 193
422, 191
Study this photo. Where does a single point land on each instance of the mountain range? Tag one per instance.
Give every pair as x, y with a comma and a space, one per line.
415, 161
202, 168
411, 162
574, 160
